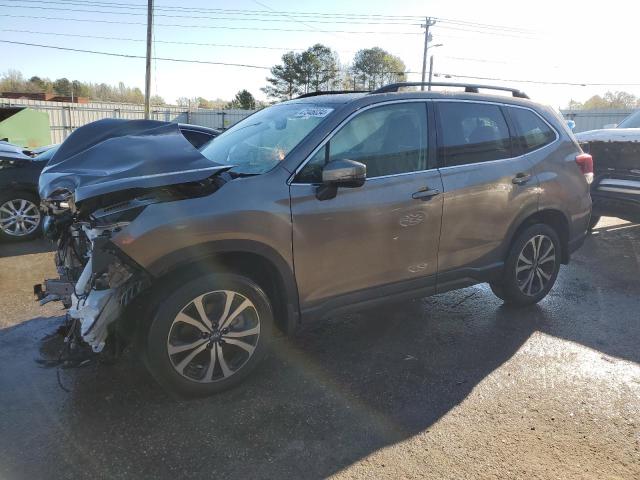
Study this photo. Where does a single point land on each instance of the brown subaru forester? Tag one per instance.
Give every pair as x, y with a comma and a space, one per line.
325, 202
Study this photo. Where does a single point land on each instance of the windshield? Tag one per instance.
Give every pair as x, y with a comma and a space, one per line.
632, 121
256, 144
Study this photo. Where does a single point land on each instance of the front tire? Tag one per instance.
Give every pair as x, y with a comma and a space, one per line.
531, 267
594, 221
208, 335
20, 217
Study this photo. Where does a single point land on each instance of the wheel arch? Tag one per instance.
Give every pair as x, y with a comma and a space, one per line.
556, 219
258, 261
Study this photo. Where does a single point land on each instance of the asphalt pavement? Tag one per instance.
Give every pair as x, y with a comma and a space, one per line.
451, 386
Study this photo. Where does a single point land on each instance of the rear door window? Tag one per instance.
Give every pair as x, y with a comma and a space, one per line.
471, 133
532, 131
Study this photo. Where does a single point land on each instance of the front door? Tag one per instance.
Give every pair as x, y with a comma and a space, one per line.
487, 187
383, 234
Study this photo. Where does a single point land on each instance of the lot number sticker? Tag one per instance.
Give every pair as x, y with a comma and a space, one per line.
317, 112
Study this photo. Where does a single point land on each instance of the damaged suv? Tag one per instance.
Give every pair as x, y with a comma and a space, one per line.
318, 204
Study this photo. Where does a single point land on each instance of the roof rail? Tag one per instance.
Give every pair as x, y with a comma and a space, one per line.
468, 87
331, 92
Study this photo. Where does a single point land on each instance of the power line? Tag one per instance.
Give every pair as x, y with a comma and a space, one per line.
126, 55
216, 27
169, 42
200, 17
446, 75
538, 82
219, 10
272, 12
173, 42
289, 19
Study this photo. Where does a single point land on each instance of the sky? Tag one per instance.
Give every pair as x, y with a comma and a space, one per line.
542, 40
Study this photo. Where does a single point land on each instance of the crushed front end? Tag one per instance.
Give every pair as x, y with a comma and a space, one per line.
95, 185
97, 281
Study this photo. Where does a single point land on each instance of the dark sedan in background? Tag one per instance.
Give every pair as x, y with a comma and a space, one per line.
20, 217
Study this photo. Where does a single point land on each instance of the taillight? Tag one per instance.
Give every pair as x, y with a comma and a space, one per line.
585, 162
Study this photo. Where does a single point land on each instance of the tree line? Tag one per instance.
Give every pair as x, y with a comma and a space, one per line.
618, 100
319, 68
14, 81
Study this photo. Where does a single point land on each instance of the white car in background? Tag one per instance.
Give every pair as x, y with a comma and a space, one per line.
615, 190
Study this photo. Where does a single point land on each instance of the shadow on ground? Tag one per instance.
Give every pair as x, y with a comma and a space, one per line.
329, 397
15, 249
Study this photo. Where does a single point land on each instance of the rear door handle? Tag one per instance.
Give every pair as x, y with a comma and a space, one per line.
521, 178
425, 194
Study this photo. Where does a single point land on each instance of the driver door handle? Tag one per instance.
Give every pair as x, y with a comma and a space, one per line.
425, 194
521, 178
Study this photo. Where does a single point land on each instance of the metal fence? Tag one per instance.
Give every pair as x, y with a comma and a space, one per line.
66, 117
596, 118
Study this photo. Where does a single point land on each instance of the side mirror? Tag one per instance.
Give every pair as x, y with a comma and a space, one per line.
344, 173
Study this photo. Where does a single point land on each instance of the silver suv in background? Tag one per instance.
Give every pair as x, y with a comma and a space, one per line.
318, 204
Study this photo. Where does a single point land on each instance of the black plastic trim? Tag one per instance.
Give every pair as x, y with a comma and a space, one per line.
370, 297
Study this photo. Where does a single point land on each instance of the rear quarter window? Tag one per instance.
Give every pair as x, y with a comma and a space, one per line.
532, 132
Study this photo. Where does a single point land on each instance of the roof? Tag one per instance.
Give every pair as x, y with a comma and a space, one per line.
343, 98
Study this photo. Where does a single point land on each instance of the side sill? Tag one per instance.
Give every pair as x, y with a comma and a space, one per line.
466, 277
369, 298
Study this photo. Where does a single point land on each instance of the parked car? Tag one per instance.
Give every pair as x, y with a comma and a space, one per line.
616, 154
20, 217
316, 205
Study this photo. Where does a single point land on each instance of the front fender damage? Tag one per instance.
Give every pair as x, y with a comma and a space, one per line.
98, 182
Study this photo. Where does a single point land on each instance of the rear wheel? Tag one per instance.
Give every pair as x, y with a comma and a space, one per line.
531, 268
208, 335
20, 217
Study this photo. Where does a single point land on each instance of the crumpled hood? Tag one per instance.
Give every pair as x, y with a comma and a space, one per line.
112, 155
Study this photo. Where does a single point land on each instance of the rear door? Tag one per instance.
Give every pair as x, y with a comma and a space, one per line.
487, 187
378, 239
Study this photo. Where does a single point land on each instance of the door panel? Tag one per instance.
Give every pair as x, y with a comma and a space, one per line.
487, 188
481, 203
365, 237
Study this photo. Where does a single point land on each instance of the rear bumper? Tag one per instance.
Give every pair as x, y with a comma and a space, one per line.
617, 198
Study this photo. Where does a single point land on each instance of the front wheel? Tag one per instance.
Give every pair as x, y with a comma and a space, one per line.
20, 217
593, 221
531, 268
208, 335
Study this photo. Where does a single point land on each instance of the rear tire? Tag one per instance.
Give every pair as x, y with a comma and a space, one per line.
531, 267
208, 335
594, 221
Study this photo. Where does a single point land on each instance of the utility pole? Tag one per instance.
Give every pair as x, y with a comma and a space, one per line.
428, 22
430, 71
147, 80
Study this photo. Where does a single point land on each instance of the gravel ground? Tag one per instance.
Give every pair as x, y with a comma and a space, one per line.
452, 386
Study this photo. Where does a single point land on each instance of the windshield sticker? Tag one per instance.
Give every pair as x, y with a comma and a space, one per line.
317, 112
